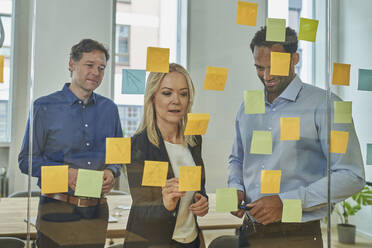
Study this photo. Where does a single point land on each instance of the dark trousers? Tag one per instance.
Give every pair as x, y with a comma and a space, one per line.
193, 244
278, 235
86, 232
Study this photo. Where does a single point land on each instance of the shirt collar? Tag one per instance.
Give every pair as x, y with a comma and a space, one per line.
292, 90
72, 99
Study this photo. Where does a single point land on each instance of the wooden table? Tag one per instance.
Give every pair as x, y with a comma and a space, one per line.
13, 212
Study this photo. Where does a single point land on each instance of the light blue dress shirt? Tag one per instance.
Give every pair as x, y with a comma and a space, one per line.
303, 162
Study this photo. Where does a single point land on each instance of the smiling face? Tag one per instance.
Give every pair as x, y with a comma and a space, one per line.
171, 99
87, 73
274, 85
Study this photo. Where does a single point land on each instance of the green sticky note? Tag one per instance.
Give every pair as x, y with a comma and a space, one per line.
275, 29
365, 80
369, 154
254, 102
262, 142
89, 183
226, 200
342, 112
292, 211
308, 28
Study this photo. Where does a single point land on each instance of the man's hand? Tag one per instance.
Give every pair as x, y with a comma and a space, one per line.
108, 181
171, 195
72, 176
240, 212
267, 209
201, 206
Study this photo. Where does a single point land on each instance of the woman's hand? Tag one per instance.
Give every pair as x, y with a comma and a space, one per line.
171, 195
201, 205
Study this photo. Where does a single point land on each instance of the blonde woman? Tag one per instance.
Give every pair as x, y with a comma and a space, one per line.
165, 217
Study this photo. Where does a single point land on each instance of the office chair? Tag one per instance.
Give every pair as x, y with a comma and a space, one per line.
225, 241
10, 242
34, 193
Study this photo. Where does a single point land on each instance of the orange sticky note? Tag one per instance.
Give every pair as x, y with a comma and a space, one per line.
339, 141
197, 124
118, 150
280, 63
341, 74
54, 179
290, 128
157, 59
270, 181
155, 173
1, 69
215, 78
246, 13
189, 178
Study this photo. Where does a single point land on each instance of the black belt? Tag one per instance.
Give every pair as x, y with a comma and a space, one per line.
78, 201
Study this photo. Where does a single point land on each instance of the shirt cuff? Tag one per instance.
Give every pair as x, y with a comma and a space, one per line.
115, 169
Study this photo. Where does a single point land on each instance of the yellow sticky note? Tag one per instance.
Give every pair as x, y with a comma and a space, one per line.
290, 128
275, 30
54, 179
254, 102
280, 63
155, 173
189, 178
157, 59
339, 141
308, 28
270, 181
118, 150
1, 69
262, 142
197, 124
341, 74
292, 211
342, 112
215, 78
246, 13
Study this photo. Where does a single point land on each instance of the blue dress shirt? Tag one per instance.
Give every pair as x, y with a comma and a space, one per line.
69, 132
303, 162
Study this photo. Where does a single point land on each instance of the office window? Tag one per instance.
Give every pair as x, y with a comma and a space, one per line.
122, 44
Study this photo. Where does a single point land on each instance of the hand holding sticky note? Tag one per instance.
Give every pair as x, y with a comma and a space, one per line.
157, 59
280, 63
197, 124
133, 81
254, 102
342, 112
118, 150
246, 13
308, 28
155, 173
292, 211
89, 183
226, 200
54, 179
290, 128
215, 78
341, 74
261, 143
270, 181
275, 29
189, 178
339, 141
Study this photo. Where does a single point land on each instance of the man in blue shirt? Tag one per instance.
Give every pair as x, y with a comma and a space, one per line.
303, 162
70, 128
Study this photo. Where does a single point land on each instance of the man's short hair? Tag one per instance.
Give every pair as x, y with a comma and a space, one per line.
87, 46
290, 44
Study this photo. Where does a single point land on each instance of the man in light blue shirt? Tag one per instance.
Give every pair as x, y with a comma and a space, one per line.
303, 162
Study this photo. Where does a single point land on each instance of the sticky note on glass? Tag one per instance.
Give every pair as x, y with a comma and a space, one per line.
118, 150
341, 74
290, 128
369, 154
54, 179
1, 69
189, 178
155, 173
89, 183
308, 28
279, 63
157, 59
246, 13
275, 29
342, 112
133, 81
254, 102
215, 78
365, 80
197, 124
339, 141
292, 211
226, 200
270, 181
262, 142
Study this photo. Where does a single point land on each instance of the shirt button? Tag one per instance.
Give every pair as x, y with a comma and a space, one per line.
88, 144
270, 128
80, 102
89, 163
86, 125
274, 109
83, 106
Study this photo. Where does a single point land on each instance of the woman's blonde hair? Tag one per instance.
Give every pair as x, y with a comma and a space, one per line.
149, 116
